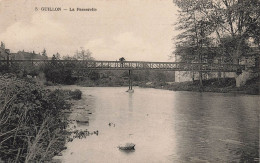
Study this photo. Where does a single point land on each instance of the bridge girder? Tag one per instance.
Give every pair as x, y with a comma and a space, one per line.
126, 65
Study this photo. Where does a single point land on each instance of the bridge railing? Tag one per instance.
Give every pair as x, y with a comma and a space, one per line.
125, 65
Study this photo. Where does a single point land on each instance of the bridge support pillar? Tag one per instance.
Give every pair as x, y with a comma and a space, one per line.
130, 80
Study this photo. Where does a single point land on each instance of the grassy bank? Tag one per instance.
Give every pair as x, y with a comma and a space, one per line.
32, 120
212, 85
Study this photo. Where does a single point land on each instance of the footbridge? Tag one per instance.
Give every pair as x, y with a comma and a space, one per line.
125, 65
81, 65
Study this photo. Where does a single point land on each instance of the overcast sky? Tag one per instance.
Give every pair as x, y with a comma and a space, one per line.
134, 29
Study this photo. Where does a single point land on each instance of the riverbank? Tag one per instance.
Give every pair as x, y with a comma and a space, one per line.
33, 120
227, 85
79, 116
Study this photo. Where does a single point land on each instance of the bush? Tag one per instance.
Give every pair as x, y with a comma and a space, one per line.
59, 75
76, 95
32, 123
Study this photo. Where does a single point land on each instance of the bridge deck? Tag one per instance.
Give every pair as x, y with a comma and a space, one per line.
126, 65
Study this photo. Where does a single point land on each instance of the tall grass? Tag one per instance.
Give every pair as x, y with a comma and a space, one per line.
32, 124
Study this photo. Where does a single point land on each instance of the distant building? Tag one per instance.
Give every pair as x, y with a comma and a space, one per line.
22, 55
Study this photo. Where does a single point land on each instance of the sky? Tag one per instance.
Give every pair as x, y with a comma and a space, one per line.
134, 29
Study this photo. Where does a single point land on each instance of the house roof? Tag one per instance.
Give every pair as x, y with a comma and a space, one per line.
21, 55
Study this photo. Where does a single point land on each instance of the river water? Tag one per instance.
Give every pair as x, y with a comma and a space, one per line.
166, 126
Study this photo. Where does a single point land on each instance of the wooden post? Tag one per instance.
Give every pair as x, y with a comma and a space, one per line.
130, 80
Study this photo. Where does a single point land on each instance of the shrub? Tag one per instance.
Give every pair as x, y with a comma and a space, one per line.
31, 121
76, 95
59, 75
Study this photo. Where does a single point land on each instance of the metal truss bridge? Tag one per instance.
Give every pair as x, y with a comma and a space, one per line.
83, 66
124, 65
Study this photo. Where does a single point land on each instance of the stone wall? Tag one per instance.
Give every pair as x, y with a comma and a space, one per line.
244, 77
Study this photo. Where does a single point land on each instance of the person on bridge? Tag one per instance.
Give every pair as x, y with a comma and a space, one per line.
122, 59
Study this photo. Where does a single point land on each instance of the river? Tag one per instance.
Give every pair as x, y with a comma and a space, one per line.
166, 126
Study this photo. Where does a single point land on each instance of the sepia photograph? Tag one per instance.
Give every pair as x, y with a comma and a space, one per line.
129, 81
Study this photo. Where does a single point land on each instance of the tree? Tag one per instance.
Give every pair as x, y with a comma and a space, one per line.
67, 57
237, 20
57, 55
44, 54
196, 29
2, 45
84, 54
53, 57
33, 55
226, 25
252, 21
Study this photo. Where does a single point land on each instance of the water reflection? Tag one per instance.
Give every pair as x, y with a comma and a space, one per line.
130, 102
168, 127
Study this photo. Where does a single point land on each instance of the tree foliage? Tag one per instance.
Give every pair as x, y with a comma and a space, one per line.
44, 54
196, 30
59, 75
83, 54
218, 23
2, 45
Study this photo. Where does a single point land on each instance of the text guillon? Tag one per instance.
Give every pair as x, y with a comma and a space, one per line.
58, 9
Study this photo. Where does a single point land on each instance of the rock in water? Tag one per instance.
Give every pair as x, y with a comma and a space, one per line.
127, 146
